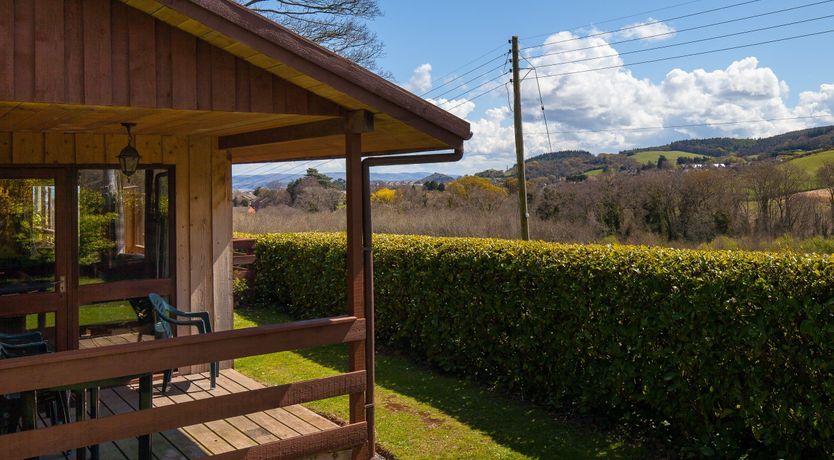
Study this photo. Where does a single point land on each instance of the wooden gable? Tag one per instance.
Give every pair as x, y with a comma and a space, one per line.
106, 53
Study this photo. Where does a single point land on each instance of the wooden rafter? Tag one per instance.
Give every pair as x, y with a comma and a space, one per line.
356, 122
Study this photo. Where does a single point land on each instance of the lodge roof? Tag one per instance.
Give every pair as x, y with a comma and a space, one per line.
95, 95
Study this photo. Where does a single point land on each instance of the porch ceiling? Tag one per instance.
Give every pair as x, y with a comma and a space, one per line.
389, 135
39, 117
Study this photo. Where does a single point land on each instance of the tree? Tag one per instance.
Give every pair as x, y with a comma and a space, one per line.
384, 195
477, 192
339, 25
662, 162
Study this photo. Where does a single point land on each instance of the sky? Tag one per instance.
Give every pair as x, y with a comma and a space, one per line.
595, 96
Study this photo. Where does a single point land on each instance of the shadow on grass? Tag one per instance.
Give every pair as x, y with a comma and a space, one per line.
521, 427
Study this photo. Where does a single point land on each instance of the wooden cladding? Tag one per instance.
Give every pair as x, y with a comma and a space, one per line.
36, 148
106, 53
80, 366
69, 436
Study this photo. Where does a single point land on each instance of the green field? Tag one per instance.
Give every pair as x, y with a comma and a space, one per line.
811, 163
672, 155
593, 172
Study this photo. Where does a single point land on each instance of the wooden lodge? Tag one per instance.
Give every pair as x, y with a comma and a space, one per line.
84, 240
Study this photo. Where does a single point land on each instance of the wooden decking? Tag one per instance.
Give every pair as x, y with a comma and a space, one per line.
119, 339
208, 438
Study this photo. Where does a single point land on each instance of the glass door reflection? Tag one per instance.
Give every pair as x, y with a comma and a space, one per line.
32, 264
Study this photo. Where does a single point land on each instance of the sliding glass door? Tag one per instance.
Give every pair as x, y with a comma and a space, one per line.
123, 253
81, 249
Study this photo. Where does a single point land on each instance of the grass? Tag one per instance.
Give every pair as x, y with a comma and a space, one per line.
811, 163
423, 415
650, 157
100, 313
593, 172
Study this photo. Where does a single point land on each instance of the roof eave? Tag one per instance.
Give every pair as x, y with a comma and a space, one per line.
268, 37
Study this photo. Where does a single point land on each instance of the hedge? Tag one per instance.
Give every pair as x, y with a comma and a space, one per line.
719, 353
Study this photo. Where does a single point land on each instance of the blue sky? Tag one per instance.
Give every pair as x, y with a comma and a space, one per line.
430, 39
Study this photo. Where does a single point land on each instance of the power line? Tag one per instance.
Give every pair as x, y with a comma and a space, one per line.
437, 96
692, 125
699, 53
541, 100
476, 59
607, 21
688, 29
473, 89
503, 55
281, 169
668, 58
658, 47
700, 40
649, 23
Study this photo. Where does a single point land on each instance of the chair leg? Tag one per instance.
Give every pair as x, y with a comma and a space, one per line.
213, 369
166, 379
63, 405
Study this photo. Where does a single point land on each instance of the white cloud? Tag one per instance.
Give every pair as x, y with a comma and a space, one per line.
420, 80
615, 99
650, 30
585, 110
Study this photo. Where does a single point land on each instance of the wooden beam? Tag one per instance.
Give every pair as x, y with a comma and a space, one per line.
30, 443
355, 270
244, 259
119, 290
356, 122
331, 440
80, 366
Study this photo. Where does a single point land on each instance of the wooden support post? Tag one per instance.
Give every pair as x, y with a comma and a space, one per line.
355, 271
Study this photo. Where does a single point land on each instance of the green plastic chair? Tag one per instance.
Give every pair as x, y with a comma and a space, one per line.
29, 344
166, 316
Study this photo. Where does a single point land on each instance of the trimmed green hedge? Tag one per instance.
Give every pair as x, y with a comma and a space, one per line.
721, 353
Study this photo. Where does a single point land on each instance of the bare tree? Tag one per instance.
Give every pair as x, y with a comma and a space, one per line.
762, 181
825, 178
791, 180
339, 25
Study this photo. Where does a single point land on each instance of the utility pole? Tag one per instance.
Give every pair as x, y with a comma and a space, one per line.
519, 144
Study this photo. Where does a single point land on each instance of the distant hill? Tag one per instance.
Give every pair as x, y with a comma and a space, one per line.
804, 140
277, 180
436, 177
651, 156
568, 163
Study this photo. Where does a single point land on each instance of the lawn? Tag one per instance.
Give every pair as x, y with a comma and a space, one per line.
672, 156
422, 414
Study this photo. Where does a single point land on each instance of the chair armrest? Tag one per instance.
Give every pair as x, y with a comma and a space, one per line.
23, 338
203, 315
199, 324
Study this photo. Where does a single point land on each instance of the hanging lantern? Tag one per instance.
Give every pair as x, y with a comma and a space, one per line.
129, 156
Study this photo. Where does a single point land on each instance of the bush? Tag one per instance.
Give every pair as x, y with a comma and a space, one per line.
721, 353
240, 292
